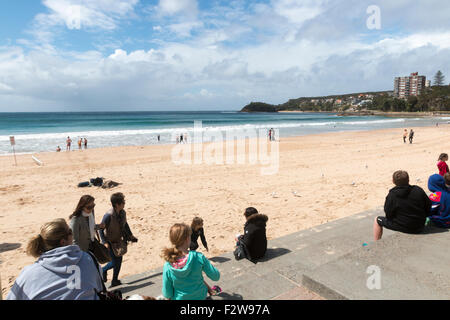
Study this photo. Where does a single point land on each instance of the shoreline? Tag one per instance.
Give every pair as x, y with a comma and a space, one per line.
320, 168
190, 143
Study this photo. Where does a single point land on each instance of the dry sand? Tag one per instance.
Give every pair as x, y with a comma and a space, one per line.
159, 193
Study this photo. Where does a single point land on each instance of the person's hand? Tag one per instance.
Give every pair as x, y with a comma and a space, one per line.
107, 245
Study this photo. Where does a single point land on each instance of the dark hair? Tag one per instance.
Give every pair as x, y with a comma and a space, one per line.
84, 201
197, 221
117, 198
250, 211
400, 178
447, 178
443, 156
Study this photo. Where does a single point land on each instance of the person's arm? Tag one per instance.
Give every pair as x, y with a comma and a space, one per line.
203, 238
75, 227
105, 221
210, 270
389, 207
167, 288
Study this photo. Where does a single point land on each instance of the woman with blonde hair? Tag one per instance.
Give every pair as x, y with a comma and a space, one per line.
183, 270
62, 271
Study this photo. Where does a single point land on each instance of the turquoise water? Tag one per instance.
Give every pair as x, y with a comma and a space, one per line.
39, 132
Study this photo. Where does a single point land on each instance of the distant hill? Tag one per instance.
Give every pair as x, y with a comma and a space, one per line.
432, 99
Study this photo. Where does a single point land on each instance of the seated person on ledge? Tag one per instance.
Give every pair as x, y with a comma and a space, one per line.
440, 198
406, 208
253, 244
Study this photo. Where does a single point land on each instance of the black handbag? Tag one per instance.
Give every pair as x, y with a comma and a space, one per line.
115, 295
100, 252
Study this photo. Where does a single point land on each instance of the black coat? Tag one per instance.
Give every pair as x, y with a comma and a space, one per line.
254, 237
407, 206
194, 239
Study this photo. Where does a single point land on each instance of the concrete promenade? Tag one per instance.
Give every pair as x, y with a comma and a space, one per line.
336, 260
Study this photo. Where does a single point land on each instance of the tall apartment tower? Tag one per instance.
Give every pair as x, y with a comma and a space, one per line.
409, 86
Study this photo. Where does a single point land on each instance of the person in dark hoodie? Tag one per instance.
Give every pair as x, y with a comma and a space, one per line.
440, 198
252, 245
406, 208
62, 272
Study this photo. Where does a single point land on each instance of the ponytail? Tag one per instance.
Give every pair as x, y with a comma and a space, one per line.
36, 246
171, 254
49, 238
179, 233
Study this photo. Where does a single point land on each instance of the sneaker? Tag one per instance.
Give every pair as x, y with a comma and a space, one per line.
116, 283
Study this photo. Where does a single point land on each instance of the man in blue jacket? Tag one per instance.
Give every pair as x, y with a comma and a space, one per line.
440, 210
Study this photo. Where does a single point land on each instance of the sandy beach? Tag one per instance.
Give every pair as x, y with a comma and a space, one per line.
333, 175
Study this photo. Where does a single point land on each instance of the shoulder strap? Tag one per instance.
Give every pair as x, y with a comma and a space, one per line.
97, 267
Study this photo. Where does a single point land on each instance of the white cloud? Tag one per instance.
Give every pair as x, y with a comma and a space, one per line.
172, 7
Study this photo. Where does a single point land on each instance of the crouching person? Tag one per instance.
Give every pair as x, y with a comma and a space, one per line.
252, 245
183, 270
62, 271
406, 208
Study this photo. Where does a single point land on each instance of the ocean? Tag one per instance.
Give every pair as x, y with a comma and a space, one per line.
43, 132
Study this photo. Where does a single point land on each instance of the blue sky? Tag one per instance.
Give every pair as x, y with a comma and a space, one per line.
84, 55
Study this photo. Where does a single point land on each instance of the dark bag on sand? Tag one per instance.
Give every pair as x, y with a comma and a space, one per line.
115, 295
98, 182
83, 184
100, 251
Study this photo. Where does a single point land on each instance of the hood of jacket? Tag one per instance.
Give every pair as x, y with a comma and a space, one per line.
436, 183
58, 259
257, 219
186, 270
402, 191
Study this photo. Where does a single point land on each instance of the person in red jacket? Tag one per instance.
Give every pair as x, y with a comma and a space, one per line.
442, 165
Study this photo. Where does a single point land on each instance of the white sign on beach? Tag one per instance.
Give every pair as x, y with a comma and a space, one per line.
12, 140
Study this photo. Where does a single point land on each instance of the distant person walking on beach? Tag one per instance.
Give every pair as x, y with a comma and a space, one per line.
181, 138
159, 138
406, 208
411, 136
185, 138
197, 231
79, 143
442, 165
49, 278
270, 134
69, 143
85, 143
405, 135
116, 236
183, 270
178, 139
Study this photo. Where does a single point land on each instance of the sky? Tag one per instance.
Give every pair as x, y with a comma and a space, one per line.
170, 55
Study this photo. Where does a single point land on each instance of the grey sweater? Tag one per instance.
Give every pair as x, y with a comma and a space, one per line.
81, 233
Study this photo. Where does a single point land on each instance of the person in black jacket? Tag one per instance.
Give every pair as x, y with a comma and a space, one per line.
253, 243
406, 208
197, 231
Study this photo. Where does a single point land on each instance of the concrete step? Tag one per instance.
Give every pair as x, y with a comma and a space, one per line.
281, 271
410, 267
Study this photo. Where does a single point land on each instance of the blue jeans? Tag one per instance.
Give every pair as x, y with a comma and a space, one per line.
115, 263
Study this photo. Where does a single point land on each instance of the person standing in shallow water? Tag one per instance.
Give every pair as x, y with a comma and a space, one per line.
405, 135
